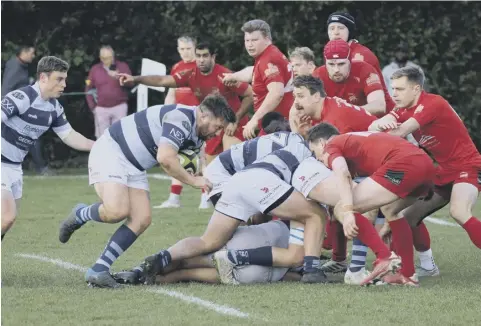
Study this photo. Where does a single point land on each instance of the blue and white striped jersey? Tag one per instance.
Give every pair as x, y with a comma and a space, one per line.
284, 161
139, 134
25, 117
244, 154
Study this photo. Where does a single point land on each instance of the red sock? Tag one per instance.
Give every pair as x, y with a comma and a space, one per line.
338, 241
421, 239
327, 243
369, 236
473, 227
176, 189
402, 237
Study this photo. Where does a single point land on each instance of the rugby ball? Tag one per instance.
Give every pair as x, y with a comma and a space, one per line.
189, 160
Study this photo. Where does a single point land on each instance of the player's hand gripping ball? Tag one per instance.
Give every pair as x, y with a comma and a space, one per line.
189, 160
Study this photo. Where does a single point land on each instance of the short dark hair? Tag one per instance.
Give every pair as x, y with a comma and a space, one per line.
412, 73
24, 48
273, 122
257, 25
203, 45
323, 130
50, 64
218, 106
313, 84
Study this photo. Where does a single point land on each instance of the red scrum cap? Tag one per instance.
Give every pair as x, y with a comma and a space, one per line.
337, 49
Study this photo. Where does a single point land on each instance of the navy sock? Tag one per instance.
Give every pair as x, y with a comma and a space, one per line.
311, 264
122, 239
88, 213
259, 256
165, 258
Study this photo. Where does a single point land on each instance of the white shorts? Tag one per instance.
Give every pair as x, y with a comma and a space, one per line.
12, 179
275, 234
252, 191
107, 163
217, 175
308, 175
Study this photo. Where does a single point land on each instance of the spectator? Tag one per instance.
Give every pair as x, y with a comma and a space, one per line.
110, 104
16, 76
401, 59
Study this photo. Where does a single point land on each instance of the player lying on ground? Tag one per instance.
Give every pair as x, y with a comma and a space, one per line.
27, 113
202, 268
260, 187
117, 166
440, 131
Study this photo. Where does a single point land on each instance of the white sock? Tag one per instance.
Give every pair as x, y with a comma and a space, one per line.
174, 198
427, 260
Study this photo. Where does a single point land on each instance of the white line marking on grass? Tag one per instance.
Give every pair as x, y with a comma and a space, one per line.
159, 176
221, 309
441, 222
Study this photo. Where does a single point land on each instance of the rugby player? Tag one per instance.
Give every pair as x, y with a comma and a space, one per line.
202, 268
271, 76
27, 113
117, 165
204, 79
302, 61
356, 82
441, 132
261, 187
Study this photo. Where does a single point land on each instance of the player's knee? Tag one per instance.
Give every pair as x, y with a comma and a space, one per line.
117, 211
460, 211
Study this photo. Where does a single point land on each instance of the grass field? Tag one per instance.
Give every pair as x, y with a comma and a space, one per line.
50, 292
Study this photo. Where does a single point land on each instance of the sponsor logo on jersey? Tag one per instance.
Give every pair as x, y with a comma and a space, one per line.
373, 79
265, 189
358, 57
395, 177
463, 175
271, 70
18, 95
7, 105
187, 126
177, 135
419, 109
33, 116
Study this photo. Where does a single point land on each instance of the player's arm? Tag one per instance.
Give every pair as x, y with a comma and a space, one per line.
407, 127
376, 103
167, 158
246, 103
90, 84
244, 75
170, 97
67, 134
387, 122
77, 141
154, 80
341, 170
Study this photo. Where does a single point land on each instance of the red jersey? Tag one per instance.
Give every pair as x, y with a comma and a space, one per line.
442, 132
203, 85
362, 80
360, 52
184, 95
345, 117
272, 66
366, 152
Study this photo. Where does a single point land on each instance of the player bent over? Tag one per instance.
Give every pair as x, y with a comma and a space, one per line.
259, 188
398, 173
27, 113
117, 167
202, 268
440, 131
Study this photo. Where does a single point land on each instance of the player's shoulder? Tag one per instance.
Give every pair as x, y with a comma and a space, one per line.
319, 72
220, 69
27, 94
433, 100
362, 67
360, 52
274, 54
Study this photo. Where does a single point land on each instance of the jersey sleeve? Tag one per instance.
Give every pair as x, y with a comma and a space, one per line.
60, 124
334, 150
181, 77
273, 69
176, 129
239, 88
426, 113
14, 103
371, 79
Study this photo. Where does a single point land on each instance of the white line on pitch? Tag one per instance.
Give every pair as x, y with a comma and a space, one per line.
221, 309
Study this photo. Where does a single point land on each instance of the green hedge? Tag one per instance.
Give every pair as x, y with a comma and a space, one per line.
443, 37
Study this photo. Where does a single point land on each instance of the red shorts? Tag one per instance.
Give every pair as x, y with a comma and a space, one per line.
214, 145
446, 178
406, 176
